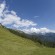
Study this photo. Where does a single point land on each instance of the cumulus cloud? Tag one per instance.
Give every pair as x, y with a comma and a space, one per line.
2, 6
11, 18
35, 30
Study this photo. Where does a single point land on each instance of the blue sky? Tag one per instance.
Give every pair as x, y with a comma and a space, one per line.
28, 9
42, 12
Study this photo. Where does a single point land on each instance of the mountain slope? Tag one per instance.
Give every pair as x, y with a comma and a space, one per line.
11, 44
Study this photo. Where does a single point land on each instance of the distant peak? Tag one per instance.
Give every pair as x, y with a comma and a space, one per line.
0, 24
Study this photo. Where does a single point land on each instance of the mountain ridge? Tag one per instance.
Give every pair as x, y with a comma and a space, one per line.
11, 44
46, 39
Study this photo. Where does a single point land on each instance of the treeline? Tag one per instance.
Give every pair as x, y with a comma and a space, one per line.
35, 38
43, 41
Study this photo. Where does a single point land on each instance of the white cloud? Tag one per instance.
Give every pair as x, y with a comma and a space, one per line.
11, 18
2, 7
35, 30
13, 12
36, 16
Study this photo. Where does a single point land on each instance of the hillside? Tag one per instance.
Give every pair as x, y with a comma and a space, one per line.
11, 44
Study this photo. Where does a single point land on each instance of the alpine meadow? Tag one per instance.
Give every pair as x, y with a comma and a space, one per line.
27, 27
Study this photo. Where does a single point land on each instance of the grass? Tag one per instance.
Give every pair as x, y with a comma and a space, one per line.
11, 44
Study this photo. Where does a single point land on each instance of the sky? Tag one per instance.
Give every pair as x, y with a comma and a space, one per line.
28, 14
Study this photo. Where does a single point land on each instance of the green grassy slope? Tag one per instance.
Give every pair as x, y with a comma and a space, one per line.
10, 44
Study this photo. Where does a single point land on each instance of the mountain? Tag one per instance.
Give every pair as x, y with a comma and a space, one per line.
47, 39
15, 44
